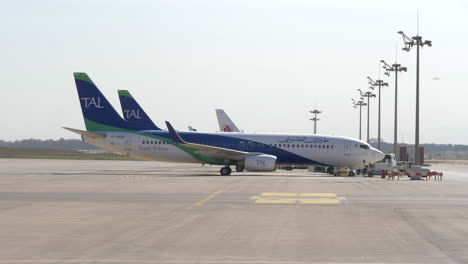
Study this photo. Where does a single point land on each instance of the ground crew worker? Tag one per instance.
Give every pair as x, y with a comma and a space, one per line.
402, 168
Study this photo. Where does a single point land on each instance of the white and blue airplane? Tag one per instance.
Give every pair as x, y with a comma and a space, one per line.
106, 129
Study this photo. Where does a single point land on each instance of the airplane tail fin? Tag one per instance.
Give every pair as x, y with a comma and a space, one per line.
225, 123
98, 113
134, 114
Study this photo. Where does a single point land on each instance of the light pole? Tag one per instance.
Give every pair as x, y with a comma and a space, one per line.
395, 68
368, 95
359, 103
315, 119
409, 43
378, 83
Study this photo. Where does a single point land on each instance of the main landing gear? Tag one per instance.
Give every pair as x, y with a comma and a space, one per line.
225, 171
240, 168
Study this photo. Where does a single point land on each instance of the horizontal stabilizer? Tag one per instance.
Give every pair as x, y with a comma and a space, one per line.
86, 133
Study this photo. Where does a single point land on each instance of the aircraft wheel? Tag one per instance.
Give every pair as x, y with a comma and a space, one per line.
240, 168
351, 173
225, 171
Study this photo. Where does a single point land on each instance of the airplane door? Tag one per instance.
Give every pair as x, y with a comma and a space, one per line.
347, 148
127, 143
250, 146
242, 145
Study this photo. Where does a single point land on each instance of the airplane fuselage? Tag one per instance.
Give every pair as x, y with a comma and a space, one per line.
289, 149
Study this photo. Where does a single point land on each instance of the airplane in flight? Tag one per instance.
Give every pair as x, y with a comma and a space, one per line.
225, 123
251, 151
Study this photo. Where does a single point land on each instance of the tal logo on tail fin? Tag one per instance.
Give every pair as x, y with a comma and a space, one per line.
91, 101
132, 114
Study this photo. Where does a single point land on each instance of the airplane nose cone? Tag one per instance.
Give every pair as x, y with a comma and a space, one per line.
379, 155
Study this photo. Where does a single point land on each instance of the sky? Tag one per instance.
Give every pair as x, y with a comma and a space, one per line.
267, 63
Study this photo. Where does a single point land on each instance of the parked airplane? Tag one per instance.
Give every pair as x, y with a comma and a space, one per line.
254, 152
225, 123
133, 113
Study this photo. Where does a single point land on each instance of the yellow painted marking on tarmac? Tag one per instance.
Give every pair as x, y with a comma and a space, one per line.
298, 198
208, 198
276, 201
299, 194
297, 201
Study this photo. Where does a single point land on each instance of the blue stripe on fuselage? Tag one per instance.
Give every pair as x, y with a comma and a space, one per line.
229, 142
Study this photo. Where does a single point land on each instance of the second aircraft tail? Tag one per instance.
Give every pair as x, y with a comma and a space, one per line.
133, 113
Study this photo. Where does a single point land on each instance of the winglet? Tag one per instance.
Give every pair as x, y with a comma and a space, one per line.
175, 136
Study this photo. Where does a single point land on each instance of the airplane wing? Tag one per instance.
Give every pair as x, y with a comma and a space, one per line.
209, 151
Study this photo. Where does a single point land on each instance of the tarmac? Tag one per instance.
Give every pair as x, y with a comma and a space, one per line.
75, 211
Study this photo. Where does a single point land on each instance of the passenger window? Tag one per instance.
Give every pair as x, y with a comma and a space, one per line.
288, 145
143, 142
328, 146
331, 146
319, 146
302, 146
292, 145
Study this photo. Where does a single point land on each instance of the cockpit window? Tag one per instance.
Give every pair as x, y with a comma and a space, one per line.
364, 146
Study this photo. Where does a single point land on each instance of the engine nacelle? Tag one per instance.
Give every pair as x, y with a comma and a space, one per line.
260, 162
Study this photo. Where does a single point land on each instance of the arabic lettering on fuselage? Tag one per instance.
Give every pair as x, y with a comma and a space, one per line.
304, 140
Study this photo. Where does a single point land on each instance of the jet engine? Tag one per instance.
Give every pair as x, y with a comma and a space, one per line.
260, 162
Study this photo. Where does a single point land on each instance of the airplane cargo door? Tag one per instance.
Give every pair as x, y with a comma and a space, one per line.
347, 148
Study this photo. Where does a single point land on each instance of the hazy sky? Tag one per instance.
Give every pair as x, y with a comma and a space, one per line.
267, 63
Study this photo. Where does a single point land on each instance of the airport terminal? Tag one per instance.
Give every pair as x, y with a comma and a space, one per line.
132, 185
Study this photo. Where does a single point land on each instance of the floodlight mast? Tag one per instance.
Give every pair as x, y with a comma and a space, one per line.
380, 84
367, 94
359, 103
409, 43
315, 119
394, 68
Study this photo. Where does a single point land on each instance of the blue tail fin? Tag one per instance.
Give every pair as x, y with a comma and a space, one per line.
98, 113
134, 114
